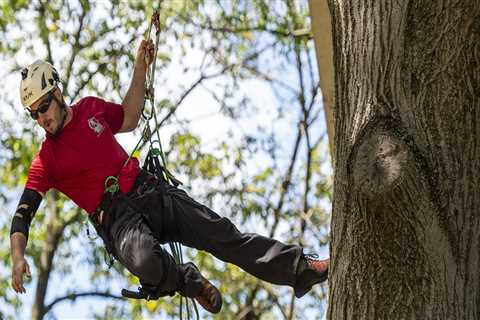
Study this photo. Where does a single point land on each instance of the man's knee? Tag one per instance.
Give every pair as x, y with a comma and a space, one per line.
155, 267
145, 265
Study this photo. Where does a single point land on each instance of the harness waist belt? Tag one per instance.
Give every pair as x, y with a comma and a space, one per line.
99, 216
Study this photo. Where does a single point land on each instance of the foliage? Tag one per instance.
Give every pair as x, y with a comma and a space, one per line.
265, 171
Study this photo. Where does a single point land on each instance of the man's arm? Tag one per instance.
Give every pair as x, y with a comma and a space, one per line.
133, 101
18, 243
27, 207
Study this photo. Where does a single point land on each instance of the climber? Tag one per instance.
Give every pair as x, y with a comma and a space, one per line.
78, 153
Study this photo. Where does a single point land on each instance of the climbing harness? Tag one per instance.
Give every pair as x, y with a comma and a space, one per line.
156, 167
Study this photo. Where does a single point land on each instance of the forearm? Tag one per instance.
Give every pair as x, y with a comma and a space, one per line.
18, 243
133, 101
27, 207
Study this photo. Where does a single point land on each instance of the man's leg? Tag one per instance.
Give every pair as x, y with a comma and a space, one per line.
137, 249
268, 259
174, 216
142, 255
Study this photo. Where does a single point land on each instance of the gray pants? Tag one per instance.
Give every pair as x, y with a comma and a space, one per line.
154, 213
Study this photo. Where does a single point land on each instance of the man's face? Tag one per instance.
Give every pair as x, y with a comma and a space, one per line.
48, 113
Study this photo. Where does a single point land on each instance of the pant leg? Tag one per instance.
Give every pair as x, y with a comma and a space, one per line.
195, 225
140, 252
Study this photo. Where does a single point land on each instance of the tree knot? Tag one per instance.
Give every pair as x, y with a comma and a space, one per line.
380, 160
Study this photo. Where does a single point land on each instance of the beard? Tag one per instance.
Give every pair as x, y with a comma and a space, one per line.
60, 120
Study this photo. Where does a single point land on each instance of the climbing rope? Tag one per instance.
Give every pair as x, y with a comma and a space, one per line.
155, 166
111, 183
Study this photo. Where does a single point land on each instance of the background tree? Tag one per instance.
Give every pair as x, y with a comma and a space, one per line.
265, 172
405, 227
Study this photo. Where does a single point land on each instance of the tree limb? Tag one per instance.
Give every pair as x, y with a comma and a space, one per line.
76, 47
46, 41
286, 182
237, 30
74, 296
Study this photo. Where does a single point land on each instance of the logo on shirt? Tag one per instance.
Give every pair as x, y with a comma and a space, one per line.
96, 126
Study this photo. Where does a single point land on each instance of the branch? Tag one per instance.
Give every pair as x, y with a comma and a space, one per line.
177, 105
184, 95
200, 81
274, 298
73, 218
315, 84
286, 182
291, 310
226, 29
301, 95
270, 79
83, 83
308, 175
74, 296
315, 116
76, 47
317, 142
237, 30
45, 40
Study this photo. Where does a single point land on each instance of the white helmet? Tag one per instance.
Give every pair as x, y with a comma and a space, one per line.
37, 79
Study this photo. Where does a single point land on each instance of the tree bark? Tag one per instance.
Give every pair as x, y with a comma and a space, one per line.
52, 238
405, 224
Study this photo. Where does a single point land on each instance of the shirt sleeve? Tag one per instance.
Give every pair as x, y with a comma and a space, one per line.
113, 114
38, 178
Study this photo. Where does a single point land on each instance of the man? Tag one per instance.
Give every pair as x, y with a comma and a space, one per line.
80, 152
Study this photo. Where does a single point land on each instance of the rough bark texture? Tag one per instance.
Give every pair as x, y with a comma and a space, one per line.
406, 222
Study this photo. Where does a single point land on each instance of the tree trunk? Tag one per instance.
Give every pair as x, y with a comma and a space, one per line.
405, 225
52, 238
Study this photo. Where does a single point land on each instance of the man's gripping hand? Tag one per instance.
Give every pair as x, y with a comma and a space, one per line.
145, 54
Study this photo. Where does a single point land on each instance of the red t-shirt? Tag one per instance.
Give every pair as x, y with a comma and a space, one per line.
78, 161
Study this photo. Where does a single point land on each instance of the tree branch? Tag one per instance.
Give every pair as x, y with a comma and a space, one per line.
286, 182
237, 30
76, 47
74, 296
73, 218
270, 79
274, 298
83, 83
45, 39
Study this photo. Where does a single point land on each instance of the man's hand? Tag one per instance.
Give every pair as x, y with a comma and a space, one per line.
145, 54
19, 268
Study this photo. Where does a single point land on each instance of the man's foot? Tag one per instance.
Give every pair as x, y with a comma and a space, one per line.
209, 297
196, 286
310, 271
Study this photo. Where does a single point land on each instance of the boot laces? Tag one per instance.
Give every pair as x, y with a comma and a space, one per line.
315, 263
311, 256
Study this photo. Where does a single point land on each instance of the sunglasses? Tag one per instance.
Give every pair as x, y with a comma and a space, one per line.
42, 108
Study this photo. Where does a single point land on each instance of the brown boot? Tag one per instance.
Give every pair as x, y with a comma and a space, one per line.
310, 271
209, 297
